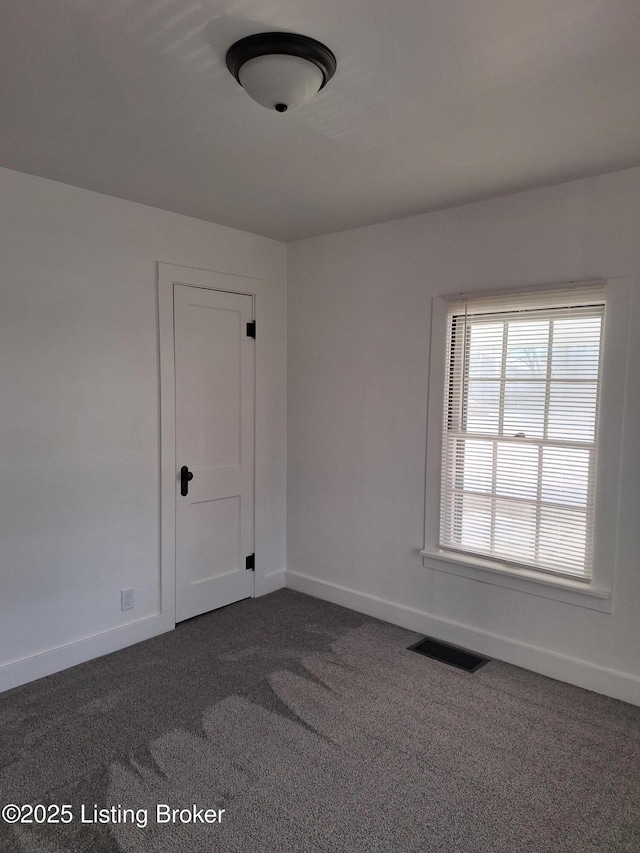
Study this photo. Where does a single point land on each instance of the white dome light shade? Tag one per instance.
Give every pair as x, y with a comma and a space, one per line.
281, 71
280, 82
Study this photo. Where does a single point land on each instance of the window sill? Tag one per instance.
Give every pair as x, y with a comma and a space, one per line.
521, 580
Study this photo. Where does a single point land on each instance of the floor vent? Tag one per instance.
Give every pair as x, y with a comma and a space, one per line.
447, 653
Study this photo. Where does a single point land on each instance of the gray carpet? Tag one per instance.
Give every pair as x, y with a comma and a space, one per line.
316, 730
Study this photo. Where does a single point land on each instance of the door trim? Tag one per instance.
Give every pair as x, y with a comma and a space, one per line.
168, 275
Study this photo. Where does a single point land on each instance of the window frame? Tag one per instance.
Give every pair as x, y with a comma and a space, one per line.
595, 593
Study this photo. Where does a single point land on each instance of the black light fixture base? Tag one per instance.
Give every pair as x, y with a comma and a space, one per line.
290, 44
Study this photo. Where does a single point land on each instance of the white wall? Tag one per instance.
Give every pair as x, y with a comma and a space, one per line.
358, 347
79, 416
79, 507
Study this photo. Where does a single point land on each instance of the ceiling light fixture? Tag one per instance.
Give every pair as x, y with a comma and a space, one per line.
281, 71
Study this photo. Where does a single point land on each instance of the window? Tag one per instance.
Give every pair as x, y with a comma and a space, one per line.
519, 431
524, 438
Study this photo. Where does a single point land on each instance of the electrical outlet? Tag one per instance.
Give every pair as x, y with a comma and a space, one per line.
126, 599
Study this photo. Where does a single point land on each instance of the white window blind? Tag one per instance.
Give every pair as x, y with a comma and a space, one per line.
519, 433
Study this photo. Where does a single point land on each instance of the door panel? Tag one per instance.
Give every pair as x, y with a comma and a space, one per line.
214, 363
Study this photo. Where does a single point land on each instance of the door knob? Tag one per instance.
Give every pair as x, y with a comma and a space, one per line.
185, 477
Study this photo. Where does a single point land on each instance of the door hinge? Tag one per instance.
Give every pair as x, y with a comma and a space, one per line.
251, 329
251, 563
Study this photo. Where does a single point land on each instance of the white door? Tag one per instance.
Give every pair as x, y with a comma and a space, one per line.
214, 374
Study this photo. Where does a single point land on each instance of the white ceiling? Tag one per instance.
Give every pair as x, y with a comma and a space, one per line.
435, 103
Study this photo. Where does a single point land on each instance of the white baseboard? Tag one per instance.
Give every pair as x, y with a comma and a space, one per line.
619, 685
589, 676
274, 581
36, 666
54, 660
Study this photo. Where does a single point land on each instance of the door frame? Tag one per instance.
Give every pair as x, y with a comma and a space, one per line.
168, 275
